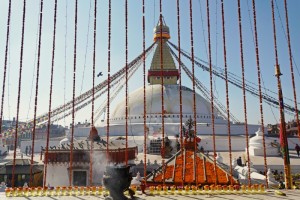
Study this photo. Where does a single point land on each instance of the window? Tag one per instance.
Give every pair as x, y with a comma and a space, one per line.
79, 178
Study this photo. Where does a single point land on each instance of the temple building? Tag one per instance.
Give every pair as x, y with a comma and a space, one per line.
22, 172
58, 159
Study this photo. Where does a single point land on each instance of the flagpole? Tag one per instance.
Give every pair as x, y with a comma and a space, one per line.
282, 134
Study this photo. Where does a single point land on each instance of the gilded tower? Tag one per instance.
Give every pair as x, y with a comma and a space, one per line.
169, 72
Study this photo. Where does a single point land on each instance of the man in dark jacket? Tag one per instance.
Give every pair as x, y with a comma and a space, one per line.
239, 161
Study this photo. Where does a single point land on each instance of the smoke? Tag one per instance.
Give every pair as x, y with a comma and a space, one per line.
99, 163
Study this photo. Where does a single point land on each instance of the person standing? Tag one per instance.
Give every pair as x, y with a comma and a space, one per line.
297, 148
239, 161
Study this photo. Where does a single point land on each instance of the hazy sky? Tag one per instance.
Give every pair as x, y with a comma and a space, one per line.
62, 88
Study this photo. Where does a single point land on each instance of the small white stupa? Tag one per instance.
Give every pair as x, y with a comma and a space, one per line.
256, 145
136, 181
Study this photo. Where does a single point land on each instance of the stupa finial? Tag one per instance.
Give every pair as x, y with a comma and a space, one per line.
161, 26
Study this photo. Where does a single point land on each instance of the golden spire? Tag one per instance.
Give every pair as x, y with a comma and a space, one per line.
169, 72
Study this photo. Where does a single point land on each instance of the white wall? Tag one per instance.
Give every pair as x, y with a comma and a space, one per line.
170, 129
57, 175
37, 145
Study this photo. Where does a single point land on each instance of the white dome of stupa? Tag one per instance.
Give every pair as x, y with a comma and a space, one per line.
171, 104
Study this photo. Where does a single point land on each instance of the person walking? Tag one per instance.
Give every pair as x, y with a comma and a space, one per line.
297, 148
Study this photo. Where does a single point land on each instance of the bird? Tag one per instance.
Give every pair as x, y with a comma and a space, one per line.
100, 74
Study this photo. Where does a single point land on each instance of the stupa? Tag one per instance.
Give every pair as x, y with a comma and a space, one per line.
166, 70
256, 145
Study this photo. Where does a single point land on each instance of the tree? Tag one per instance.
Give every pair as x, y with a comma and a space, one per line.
190, 124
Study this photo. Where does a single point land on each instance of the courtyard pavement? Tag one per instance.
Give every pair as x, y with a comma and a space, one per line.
269, 195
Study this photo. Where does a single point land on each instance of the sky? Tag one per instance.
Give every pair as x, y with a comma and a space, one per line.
64, 52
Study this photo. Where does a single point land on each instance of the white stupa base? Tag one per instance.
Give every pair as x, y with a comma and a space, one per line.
254, 151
